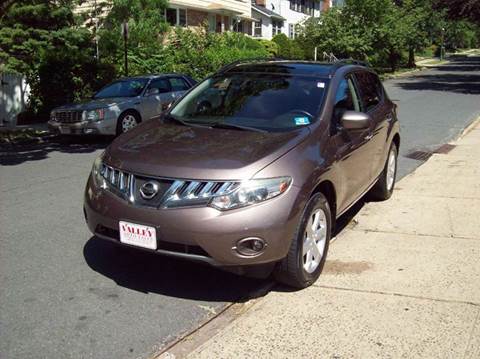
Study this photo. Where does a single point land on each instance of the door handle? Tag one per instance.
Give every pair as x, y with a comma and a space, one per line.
368, 137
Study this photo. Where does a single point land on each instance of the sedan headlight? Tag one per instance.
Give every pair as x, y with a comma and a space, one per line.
251, 192
52, 116
95, 115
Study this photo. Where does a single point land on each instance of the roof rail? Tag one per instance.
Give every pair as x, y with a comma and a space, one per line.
330, 57
352, 62
254, 59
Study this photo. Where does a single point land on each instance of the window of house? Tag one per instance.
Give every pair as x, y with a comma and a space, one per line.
291, 31
304, 6
176, 17
257, 31
276, 27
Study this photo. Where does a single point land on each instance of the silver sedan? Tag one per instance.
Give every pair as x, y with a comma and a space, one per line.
121, 105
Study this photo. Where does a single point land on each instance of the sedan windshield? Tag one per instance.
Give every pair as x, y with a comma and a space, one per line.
122, 88
269, 102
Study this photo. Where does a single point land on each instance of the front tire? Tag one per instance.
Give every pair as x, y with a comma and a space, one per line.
127, 121
383, 189
305, 259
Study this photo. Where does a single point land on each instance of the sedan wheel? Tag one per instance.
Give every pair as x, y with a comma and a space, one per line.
127, 121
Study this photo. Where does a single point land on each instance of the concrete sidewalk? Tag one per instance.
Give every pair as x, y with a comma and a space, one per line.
404, 282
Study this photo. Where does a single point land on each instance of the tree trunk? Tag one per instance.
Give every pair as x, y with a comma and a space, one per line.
411, 58
393, 60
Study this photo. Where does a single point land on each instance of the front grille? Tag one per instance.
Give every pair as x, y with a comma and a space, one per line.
68, 116
170, 193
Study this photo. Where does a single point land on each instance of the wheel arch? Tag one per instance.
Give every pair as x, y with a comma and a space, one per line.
327, 188
130, 110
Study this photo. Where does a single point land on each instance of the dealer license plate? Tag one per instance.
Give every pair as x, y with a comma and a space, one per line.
138, 235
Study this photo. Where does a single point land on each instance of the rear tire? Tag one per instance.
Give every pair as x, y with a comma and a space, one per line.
383, 189
307, 254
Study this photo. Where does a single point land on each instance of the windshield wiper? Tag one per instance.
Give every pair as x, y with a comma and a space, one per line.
182, 122
236, 127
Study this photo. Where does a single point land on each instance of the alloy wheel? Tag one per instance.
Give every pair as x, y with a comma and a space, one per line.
391, 168
128, 122
314, 240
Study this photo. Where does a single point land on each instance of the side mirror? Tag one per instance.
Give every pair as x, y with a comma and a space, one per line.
353, 120
153, 91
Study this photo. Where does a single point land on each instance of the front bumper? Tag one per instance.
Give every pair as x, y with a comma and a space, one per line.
103, 127
202, 233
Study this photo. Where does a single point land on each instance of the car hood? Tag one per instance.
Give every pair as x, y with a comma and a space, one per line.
93, 104
175, 151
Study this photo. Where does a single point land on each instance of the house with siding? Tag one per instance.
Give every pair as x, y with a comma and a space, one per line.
258, 18
273, 17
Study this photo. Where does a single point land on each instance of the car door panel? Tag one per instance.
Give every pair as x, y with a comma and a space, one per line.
353, 150
374, 103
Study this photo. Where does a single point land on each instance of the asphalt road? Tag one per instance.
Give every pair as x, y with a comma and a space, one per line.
65, 294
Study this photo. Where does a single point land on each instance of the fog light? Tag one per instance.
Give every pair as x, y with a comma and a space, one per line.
250, 247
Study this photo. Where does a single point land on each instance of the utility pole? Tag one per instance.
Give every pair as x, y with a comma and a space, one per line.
125, 43
96, 32
442, 47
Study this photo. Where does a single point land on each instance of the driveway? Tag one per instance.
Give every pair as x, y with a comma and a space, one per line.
65, 294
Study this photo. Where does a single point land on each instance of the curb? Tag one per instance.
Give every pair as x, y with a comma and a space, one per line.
193, 339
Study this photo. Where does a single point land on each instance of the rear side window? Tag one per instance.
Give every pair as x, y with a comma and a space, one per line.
178, 84
371, 90
162, 85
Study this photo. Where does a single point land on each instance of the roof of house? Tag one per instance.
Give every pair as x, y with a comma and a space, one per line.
268, 13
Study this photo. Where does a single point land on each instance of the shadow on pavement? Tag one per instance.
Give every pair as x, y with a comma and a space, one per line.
152, 273
466, 81
18, 154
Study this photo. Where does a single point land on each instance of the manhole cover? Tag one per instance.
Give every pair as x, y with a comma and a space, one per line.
419, 155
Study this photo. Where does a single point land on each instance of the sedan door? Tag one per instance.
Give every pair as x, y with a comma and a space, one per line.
353, 147
157, 98
374, 103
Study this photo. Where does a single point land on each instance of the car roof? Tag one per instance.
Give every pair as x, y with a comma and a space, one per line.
293, 67
150, 76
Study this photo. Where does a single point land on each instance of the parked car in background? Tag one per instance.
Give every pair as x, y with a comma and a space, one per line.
121, 105
250, 169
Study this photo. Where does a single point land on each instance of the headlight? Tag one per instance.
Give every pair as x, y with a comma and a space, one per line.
97, 172
251, 192
52, 116
95, 115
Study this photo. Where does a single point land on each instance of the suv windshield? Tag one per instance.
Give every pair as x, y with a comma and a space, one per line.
122, 88
271, 102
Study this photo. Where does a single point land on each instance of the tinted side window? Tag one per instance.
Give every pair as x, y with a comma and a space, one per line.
178, 84
162, 85
345, 99
371, 90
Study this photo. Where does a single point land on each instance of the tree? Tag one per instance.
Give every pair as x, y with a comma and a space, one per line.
461, 9
416, 18
146, 29
42, 40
